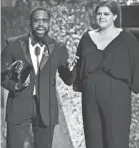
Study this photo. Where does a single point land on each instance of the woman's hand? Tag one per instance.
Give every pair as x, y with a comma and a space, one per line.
71, 64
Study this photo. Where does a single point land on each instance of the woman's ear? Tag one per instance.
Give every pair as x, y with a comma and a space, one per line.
115, 17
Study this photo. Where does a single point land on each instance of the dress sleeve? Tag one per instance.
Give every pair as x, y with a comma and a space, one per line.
63, 70
70, 77
77, 73
134, 50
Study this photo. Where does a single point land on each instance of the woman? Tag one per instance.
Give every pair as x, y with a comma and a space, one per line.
106, 73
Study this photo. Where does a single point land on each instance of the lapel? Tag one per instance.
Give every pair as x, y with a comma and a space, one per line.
49, 47
25, 48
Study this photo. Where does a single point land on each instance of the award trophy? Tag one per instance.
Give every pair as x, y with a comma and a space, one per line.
18, 73
15, 70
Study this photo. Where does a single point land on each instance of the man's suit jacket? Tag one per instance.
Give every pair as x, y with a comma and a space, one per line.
19, 103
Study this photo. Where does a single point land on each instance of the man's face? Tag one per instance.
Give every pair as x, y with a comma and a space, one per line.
40, 23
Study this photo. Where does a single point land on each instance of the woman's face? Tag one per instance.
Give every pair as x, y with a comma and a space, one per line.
104, 17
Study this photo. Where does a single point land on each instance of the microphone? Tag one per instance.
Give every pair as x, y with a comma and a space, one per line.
37, 51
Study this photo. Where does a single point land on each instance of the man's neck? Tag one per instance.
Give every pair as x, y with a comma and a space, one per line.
36, 38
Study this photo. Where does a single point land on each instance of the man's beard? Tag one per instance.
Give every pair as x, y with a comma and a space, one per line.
38, 38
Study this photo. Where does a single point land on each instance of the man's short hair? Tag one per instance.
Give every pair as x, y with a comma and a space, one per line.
39, 8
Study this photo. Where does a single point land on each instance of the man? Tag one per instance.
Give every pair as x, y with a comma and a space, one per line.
34, 100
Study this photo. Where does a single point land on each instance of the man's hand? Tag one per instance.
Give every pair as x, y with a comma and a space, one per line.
26, 83
20, 86
71, 64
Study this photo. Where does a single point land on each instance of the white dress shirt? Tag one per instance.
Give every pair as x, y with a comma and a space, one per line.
34, 57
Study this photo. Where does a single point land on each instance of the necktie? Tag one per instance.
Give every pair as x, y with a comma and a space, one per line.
37, 86
37, 53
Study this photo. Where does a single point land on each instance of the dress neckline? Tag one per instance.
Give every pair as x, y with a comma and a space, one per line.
109, 44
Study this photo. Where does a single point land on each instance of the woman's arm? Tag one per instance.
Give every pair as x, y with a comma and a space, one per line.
134, 50
66, 75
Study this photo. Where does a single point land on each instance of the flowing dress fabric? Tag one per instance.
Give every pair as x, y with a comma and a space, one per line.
106, 79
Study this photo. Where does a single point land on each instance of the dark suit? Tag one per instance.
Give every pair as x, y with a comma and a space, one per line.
20, 104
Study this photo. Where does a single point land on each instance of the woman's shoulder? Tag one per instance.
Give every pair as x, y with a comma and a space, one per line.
84, 36
88, 33
131, 41
93, 32
128, 35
